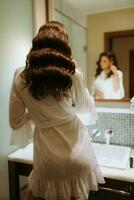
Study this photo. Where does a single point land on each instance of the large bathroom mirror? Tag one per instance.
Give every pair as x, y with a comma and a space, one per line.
95, 27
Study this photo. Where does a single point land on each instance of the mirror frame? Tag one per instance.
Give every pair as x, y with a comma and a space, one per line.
113, 100
47, 10
109, 36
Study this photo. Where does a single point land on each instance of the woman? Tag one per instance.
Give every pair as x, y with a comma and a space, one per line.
50, 91
108, 83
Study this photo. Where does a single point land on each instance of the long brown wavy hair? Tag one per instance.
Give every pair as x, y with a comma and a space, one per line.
112, 57
49, 66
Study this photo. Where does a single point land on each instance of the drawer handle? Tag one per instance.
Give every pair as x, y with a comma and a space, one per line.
120, 192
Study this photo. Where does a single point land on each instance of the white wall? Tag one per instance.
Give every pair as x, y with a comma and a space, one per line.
39, 7
18, 23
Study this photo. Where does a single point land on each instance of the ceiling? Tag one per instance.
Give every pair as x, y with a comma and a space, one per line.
93, 6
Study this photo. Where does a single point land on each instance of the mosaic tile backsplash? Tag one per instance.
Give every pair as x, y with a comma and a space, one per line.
122, 125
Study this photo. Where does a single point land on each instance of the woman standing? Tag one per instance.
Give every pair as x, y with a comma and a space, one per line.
50, 91
108, 83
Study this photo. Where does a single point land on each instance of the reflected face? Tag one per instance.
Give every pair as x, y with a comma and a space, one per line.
105, 63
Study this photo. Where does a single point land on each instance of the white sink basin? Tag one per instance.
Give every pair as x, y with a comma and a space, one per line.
112, 156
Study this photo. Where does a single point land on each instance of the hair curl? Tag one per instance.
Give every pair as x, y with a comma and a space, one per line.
52, 35
112, 57
49, 66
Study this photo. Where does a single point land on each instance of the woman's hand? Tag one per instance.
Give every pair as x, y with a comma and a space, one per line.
99, 94
114, 69
76, 64
28, 117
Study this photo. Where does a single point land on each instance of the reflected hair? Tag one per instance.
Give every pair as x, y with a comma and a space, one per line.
49, 66
112, 57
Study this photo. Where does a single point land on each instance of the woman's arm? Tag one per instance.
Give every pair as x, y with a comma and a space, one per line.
78, 67
17, 108
116, 85
84, 102
18, 118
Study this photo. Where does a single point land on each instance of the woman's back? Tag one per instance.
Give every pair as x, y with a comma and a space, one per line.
51, 91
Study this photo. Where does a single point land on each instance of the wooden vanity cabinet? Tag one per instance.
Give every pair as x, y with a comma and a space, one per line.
111, 190
114, 190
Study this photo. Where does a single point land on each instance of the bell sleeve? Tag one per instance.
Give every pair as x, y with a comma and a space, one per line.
83, 101
19, 119
120, 93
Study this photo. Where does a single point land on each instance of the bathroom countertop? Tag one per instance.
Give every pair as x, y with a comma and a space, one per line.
26, 156
23, 155
122, 175
114, 110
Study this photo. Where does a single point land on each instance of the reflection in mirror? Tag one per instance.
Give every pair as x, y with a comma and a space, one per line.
87, 23
122, 44
108, 83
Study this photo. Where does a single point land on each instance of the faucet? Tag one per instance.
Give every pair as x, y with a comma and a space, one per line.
108, 135
95, 133
132, 103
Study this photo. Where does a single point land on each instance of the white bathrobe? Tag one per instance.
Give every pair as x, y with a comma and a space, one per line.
106, 86
64, 163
